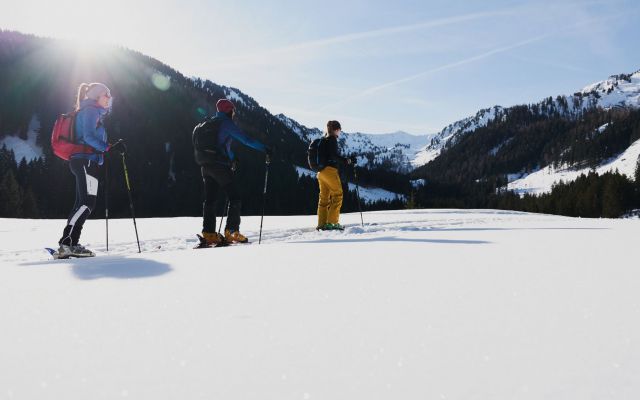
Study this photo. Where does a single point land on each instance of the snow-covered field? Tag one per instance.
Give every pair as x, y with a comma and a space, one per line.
417, 304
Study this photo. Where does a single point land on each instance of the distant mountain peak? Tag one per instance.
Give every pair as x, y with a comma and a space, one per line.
618, 91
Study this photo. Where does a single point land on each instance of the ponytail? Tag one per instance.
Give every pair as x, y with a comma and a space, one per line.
82, 93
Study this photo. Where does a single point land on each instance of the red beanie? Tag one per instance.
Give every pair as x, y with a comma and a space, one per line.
225, 106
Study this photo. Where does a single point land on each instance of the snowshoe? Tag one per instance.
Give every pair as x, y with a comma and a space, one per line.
66, 251
208, 241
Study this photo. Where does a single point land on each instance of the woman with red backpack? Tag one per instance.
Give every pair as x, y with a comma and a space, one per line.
92, 105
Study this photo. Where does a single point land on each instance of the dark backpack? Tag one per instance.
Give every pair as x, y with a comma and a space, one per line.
316, 155
205, 142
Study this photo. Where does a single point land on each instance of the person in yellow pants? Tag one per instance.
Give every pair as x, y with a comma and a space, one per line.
330, 199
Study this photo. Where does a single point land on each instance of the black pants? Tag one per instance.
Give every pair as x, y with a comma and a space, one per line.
217, 177
86, 174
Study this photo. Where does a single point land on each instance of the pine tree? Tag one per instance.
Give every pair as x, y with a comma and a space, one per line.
29, 207
637, 172
9, 196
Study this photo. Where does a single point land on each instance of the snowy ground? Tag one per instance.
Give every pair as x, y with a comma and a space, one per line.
420, 304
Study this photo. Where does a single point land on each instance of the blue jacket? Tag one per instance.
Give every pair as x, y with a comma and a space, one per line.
90, 130
230, 131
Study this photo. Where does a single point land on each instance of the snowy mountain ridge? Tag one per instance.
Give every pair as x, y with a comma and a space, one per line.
397, 151
618, 91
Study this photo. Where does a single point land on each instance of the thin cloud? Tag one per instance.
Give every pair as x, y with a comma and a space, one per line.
445, 67
465, 61
277, 53
392, 31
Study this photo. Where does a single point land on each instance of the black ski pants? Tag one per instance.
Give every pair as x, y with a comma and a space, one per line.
216, 177
86, 174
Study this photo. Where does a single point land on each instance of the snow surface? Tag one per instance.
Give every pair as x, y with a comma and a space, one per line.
543, 180
417, 304
603, 128
234, 96
367, 194
27, 149
617, 91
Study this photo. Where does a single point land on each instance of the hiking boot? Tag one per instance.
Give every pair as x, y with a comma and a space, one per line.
335, 227
78, 250
81, 251
235, 237
213, 238
64, 251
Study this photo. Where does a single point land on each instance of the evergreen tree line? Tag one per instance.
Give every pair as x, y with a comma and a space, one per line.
610, 195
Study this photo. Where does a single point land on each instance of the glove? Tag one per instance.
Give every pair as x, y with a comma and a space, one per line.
118, 146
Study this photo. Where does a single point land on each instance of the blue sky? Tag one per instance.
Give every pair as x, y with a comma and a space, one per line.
376, 66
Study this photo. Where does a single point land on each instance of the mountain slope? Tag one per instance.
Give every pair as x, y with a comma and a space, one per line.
619, 91
155, 110
502, 144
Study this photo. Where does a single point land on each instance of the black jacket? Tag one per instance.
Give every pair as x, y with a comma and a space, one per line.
332, 153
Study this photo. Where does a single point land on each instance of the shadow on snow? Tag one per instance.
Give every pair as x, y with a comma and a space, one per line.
110, 267
392, 239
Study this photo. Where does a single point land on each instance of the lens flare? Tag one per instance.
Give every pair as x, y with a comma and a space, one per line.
160, 81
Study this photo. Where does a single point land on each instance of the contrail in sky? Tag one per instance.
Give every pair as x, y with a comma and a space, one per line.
445, 67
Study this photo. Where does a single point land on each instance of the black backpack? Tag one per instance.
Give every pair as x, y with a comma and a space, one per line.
205, 142
316, 155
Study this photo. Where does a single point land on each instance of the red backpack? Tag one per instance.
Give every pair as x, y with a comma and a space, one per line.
64, 135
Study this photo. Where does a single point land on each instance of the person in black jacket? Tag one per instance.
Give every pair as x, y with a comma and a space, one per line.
330, 198
212, 149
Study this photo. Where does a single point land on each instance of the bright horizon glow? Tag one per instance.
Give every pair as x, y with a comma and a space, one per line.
410, 67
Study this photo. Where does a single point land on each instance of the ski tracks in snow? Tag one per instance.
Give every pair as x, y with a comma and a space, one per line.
382, 224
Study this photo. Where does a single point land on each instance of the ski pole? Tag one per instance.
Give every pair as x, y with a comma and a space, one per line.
133, 214
355, 180
225, 213
106, 196
267, 161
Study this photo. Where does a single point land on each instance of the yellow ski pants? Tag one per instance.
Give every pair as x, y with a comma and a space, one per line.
330, 200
